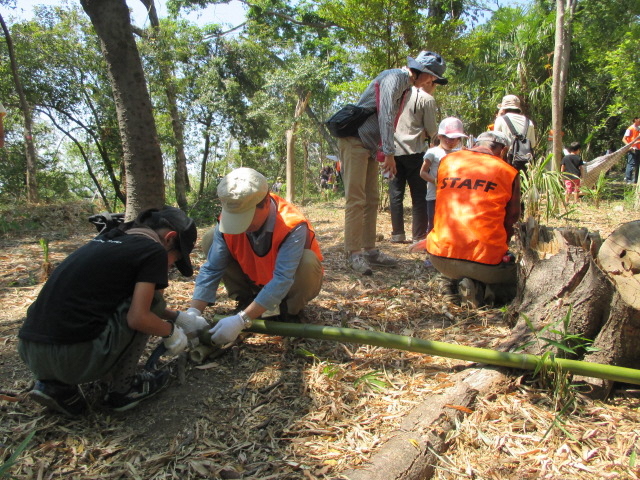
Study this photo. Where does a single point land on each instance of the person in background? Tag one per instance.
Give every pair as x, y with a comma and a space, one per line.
374, 146
94, 315
264, 250
416, 123
3, 113
633, 155
510, 108
477, 205
450, 133
571, 172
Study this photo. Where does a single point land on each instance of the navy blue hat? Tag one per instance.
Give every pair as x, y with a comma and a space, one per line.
429, 62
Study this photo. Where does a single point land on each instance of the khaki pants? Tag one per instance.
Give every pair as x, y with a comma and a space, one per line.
502, 278
306, 284
360, 177
503, 273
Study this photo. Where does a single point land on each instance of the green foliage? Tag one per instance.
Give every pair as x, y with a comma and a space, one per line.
556, 339
557, 335
44, 244
542, 190
205, 209
237, 94
598, 190
372, 380
13, 459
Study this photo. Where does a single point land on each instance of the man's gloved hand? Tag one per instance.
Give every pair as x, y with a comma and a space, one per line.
191, 322
176, 342
227, 329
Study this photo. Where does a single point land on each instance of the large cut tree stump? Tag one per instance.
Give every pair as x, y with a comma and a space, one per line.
567, 272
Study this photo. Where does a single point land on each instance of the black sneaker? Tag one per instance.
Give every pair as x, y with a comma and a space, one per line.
145, 385
59, 396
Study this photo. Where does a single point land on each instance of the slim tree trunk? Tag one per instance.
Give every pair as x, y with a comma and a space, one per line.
31, 158
303, 101
564, 17
141, 149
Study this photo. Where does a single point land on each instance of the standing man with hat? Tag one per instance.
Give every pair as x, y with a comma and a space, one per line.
631, 135
417, 122
374, 145
477, 205
263, 249
510, 109
94, 315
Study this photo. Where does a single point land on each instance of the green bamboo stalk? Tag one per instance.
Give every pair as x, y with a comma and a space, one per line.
473, 354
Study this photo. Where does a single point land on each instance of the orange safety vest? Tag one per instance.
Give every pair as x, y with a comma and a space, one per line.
635, 132
471, 197
260, 269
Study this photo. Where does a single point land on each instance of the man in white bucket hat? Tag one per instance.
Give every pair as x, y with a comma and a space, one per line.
263, 249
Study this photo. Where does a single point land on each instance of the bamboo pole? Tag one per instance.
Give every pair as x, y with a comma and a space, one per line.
473, 354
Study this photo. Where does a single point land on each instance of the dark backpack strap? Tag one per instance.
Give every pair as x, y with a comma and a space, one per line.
507, 120
526, 128
522, 135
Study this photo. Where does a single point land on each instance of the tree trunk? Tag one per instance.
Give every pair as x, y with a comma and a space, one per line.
31, 158
291, 158
564, 17
618, 342
565, 272
303, 101
141, 149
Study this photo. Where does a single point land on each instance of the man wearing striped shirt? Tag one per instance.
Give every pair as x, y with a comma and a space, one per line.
375, 146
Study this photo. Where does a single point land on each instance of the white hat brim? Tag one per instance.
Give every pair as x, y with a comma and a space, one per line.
235, 223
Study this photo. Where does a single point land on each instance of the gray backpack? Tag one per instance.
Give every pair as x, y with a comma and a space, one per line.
520, 152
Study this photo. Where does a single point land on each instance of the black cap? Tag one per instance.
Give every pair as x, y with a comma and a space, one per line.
187, 235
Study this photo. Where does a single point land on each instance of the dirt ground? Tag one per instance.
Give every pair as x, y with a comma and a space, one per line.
285, 408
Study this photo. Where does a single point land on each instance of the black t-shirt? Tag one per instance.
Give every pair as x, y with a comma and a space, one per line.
572, 165
85, 289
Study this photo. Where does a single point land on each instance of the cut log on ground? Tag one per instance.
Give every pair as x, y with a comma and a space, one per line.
566, 272
411, 452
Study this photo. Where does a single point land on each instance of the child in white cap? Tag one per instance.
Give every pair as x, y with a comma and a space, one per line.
450, 131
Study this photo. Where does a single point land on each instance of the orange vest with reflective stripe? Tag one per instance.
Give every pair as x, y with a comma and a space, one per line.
471, 197
260, 269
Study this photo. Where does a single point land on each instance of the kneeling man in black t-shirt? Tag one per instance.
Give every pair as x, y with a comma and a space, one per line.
93, 317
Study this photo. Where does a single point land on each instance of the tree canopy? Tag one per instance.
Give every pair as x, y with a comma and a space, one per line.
234, 91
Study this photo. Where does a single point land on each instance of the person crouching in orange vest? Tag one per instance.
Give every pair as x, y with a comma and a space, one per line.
264, 250
477, 205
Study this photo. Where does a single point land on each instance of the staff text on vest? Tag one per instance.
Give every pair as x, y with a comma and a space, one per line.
469, 183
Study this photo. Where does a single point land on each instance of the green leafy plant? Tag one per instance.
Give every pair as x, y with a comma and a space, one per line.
542, 190
372, 380
555, 339
44, 243
6, 466
630, 196
565, 342
329, 369
598, 190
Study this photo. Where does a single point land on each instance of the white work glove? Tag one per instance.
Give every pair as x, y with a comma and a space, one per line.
176, 342
227, 329
191, 321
